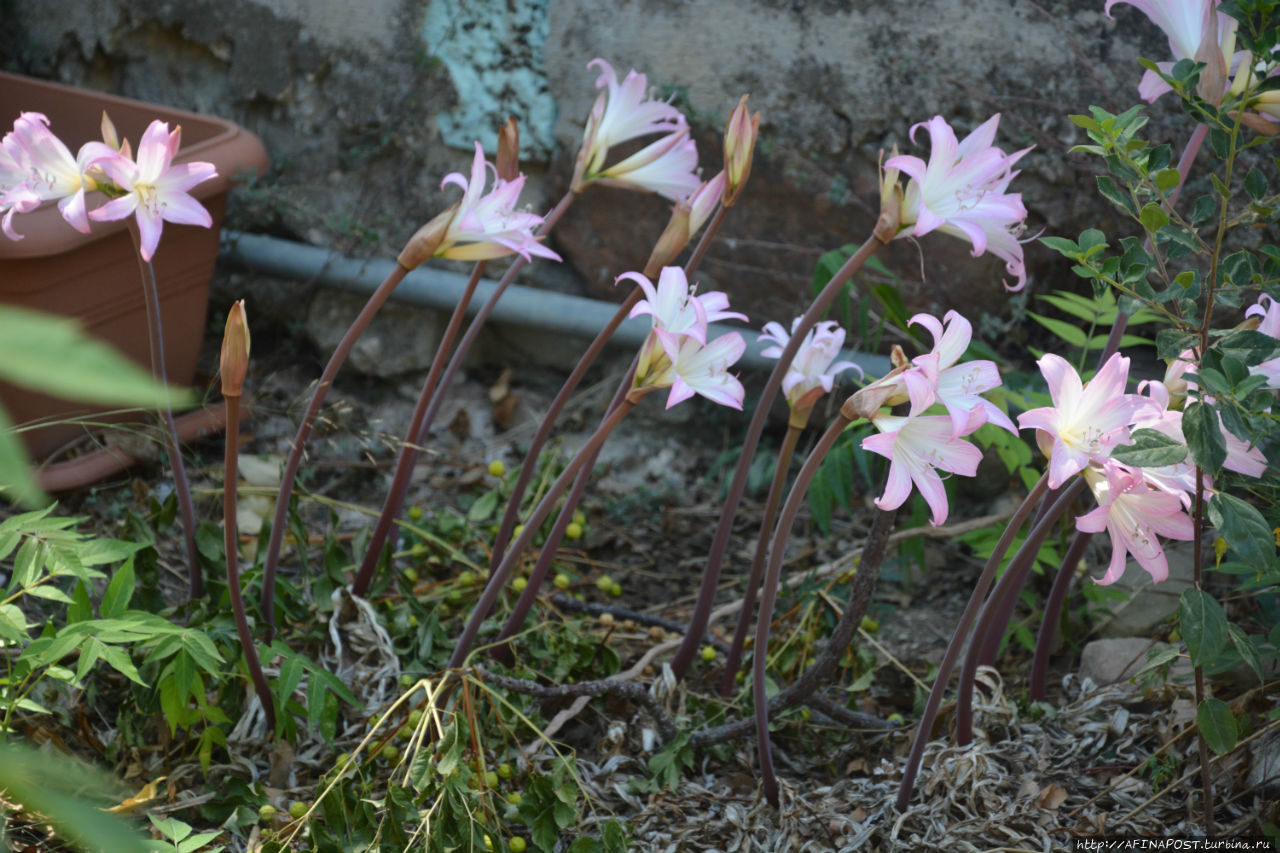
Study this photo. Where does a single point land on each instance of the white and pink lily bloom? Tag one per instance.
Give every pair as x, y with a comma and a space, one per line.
1135, 516
917, 448
962, 191
940, 377
677, 313
1193, 27
1269, 310
156, 190
667, 167
1085, 422
51, 173
813, 371
701, 370
622, 112
486, 226
1241, 457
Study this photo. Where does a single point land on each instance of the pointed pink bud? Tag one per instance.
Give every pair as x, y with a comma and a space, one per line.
508, 160
235, 351
740, 136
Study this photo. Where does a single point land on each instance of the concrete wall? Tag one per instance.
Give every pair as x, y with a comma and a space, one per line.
365, 106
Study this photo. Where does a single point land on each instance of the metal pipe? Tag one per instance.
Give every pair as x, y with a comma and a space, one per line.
439, 290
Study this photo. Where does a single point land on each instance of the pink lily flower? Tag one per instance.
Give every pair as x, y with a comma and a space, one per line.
701, 370
621, 113
1194, 28
51, 172
156, 191
916, 449
1085, 421
1135, 516
813, 371
677, 313
489, 226
956, 386
962, 191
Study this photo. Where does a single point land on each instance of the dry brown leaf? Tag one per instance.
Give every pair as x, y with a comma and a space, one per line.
1051, 797
146, 795
504, 411
501, 388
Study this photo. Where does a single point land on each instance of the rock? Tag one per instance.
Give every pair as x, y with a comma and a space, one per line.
401, 339
1120, 658
1149, 604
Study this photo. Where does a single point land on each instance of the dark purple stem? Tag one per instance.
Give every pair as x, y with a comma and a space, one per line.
734, 657
945, 667
995, 616
715, 558
376, 300
155, 338
1053, 615
231, 540
777, 549
408, 455
499, 577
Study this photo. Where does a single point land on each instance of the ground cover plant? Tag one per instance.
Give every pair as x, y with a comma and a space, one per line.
464, 676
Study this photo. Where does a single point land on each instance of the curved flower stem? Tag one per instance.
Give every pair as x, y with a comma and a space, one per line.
511, 514
777, 548
995, 616
231, 458
734, 657
524, 603
408, 455
376, 300
711, 574
155, 340
934, 702
499, 577
1053, 614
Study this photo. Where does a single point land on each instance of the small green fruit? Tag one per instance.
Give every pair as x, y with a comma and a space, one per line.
297, 809
708, 653
267, 812
497, 468
415, 717
418, 550
415, 513
517, 530
615, 590
870, 625
604, 583
406, 680
490, 779
562, 581
516, 844
515, 798
467, 578
504, 770
579, 518
343, 759
573, 530
519, 584
390, 753
896, 719
454, 596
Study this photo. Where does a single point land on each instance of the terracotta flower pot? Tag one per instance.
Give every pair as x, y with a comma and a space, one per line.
95, 277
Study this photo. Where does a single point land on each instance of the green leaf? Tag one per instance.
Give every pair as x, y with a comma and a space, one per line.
483, 507
1069, 332
1170, 343
116, 598
1107, 187
81, 608
1255, 184
1204, 625
1217, 725
1249, 346
1153, 217
1248, 652
1150, 449
1245, 530
1204, 436
1063, 246
54, 786
55, 356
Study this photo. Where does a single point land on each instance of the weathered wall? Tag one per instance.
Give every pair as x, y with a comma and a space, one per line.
364, 107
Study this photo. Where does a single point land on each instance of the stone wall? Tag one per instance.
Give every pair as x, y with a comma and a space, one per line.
365, 106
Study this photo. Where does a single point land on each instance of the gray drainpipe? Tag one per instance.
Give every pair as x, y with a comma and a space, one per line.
440, 290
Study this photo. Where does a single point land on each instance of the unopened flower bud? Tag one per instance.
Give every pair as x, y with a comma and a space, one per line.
739, 147
890, 220
235, 351
109, 135
424, 243
888, 391
508, 161
672, 242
